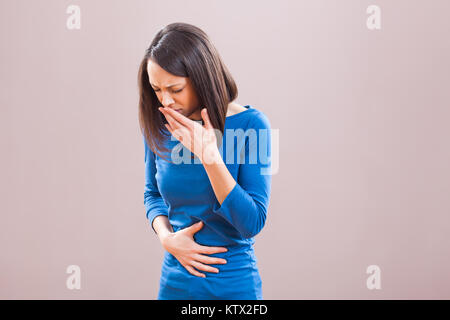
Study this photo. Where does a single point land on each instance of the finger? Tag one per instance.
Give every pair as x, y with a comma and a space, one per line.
179, 117
211, 250
205, 117
195, 227
168, 128
204, 267
209, 260
178, 134
173, 123
176, 129
194, 272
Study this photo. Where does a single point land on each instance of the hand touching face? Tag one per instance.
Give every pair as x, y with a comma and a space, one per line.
200, 139
176, 93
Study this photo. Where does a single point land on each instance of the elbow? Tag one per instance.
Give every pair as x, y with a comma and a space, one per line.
150, 196
258, 224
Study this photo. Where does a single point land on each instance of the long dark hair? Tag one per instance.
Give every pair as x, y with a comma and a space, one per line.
184, 50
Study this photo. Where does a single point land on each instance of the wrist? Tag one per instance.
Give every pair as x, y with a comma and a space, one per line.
163, 235
211, 156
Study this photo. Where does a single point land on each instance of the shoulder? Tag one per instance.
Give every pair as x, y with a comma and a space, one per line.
258, 119
251, 117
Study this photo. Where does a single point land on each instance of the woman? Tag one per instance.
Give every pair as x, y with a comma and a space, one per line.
206, 193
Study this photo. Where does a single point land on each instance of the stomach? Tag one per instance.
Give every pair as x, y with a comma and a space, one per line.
239, 277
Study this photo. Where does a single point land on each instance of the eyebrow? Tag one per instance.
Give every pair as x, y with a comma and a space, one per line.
172, 85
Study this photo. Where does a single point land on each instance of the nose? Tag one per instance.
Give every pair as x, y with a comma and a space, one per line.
166, 100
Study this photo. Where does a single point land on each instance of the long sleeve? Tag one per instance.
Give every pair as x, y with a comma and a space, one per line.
245, 207
154, 203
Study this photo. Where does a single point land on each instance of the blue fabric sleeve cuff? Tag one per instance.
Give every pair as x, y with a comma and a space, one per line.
152, 217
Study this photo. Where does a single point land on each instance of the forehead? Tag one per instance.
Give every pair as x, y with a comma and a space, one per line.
160, 77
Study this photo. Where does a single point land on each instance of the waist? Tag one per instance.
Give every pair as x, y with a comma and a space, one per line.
237, 257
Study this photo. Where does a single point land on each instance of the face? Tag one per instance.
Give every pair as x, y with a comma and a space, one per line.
174, 92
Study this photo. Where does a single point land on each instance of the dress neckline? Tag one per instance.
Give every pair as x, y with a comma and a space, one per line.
233, 116
239, 113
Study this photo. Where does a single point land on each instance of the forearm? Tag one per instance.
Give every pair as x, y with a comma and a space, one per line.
244, 204
162, 226
220, 177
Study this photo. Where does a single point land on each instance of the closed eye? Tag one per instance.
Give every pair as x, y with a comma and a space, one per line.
175, 91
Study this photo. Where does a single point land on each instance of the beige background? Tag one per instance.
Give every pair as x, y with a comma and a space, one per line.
363, 115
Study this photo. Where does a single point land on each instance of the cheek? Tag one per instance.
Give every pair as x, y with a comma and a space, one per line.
184, 98
190, 98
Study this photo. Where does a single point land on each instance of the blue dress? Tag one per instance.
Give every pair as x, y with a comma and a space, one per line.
182, 191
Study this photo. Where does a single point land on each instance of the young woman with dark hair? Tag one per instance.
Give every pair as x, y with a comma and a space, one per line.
207, 168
